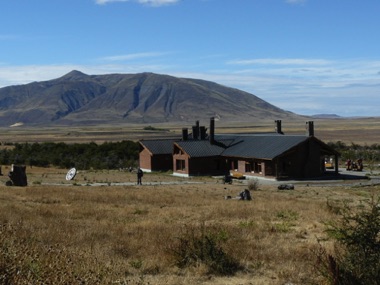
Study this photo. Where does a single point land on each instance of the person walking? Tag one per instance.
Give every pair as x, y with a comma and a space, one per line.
140, 174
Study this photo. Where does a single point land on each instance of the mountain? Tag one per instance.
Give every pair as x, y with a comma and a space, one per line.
81, 99
325, 116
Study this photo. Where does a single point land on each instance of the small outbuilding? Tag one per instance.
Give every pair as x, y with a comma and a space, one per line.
156, 155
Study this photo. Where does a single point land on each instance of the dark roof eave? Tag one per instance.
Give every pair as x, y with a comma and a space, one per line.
205, 156
177, 145
247, 157
326, 147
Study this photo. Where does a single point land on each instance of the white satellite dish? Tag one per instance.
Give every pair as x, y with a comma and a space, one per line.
71, 174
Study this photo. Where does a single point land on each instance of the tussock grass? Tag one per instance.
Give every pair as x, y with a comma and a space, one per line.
61, 234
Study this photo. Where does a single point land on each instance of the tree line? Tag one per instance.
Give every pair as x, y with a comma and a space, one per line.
124, 154
356, 151
109, 155
370, 154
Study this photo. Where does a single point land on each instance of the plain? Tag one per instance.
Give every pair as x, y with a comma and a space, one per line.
101, 228
72, 232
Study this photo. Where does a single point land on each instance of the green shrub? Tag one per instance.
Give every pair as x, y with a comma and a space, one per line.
356, 256
109, 155
287, 215
150, 128
137, 264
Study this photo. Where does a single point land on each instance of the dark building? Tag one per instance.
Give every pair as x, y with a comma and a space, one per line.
156, 155
273, 155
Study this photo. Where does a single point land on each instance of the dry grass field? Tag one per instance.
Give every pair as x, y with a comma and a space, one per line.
68, 232
101, 228
359, 131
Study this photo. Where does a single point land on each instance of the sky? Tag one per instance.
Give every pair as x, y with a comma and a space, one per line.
305, 56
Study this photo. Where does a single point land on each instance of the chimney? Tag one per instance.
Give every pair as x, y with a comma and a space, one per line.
310, 128
212, 130
185, 134
196, 131
278, 127
202, 130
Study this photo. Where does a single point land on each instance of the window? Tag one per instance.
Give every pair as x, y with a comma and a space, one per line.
253, 166
257, 167
248, 166
233, 165
180, 164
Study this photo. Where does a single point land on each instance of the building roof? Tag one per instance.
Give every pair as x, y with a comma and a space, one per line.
159, 146
200, 148
262, 146
259, 146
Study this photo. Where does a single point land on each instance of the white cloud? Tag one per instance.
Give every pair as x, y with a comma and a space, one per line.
295, 1
325, 72
103, 2
154, 3
14, 75
280, 61
8, 37
345, 87
158, 2
132, 56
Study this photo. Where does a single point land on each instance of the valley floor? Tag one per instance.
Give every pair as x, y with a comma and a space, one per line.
66, 232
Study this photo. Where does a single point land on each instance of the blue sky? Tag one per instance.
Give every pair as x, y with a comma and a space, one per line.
305, 56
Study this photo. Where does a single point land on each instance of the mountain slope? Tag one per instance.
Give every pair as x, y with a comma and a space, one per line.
77, 98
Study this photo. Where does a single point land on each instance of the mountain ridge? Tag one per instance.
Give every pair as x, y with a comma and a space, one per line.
81, 99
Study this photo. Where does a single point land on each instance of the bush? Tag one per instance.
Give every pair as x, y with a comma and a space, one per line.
253, 184
199, 246
356, 256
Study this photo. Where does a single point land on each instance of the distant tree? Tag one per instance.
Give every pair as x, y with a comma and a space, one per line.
109, 155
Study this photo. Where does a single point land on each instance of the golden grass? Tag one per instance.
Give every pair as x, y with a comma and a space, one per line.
68, 234
359, 131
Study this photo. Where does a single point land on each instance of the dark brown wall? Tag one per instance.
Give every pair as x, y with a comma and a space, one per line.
270, 168
207, 166
157, 162
313, 165
303, 162
162, 162
200, 166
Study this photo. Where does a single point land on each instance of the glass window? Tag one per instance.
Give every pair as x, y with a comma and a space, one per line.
180, 164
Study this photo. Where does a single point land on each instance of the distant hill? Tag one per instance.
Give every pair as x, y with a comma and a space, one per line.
326, 116
77, 98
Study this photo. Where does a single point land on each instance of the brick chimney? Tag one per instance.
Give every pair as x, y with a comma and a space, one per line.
202, 130
278, 127
185, 134
196, 131
212, 130
310, 128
